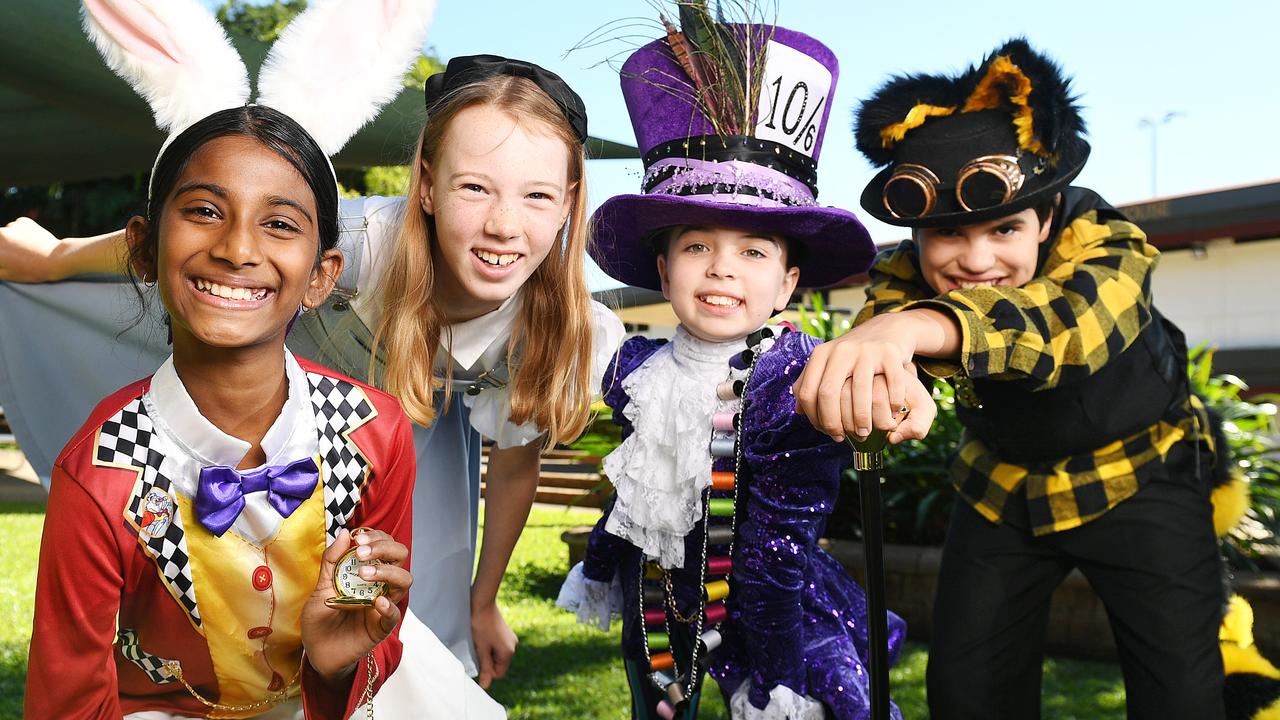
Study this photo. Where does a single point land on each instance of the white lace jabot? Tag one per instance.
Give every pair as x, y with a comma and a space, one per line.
661, 469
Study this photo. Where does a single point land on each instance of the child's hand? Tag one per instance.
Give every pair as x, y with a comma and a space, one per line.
921, 412
913, 424
27, 252
837, 388
336, 639
495, 643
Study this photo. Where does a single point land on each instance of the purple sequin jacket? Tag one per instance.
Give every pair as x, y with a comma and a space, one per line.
795, 616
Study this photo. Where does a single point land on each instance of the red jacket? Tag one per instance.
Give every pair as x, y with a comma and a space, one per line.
101, 576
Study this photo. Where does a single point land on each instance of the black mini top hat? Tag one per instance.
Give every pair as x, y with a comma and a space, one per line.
990, 142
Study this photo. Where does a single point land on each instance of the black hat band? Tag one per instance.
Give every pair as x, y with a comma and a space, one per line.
720, 148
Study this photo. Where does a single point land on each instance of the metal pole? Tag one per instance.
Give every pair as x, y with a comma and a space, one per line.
868, 460
1154, 127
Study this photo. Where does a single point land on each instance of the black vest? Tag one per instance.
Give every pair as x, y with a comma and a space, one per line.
1134, 390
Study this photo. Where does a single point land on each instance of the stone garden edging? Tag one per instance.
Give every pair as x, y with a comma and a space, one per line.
1078, 625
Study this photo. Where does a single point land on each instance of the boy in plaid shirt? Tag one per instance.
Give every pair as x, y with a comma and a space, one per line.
1083, 446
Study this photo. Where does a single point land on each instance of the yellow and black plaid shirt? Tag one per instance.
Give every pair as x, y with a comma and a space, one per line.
1088, 304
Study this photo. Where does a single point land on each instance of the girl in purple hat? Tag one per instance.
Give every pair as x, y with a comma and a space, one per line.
709, 549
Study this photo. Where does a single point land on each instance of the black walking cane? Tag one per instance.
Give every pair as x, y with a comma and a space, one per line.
868, 460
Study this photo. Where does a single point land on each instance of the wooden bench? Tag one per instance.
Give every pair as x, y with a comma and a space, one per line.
567, 477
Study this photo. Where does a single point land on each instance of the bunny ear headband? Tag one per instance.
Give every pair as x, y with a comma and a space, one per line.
331, 69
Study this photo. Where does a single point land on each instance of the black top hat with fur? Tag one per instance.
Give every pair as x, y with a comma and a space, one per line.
992, 141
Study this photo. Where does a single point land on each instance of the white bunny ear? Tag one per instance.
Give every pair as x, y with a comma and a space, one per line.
340, 61
174, 54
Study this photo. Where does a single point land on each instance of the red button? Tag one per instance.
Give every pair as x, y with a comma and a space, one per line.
261, 578
277, 682
259, 632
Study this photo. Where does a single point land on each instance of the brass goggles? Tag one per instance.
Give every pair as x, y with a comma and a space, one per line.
984, 182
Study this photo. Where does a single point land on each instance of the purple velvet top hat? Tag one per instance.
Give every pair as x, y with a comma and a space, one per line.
764, 179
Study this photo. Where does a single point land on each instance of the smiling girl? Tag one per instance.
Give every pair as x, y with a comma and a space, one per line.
197, 520
475, 290
230, 536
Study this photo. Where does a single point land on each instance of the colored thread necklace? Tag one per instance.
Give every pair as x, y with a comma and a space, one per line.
657, 597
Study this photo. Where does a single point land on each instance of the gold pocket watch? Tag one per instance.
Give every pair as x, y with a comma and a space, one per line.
353, 590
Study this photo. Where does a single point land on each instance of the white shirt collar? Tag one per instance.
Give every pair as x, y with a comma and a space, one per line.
471, 339
171, 408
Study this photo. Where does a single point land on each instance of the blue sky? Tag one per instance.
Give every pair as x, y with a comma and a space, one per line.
1216, 63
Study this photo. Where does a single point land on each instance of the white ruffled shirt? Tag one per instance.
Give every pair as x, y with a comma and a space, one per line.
477, 345
661, 469
659, 473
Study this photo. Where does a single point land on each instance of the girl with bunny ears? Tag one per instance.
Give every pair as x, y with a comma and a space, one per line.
474, 293
229, 537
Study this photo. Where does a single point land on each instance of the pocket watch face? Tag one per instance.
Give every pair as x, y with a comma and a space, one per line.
348, 583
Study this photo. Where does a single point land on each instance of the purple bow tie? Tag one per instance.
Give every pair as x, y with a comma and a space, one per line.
220, 495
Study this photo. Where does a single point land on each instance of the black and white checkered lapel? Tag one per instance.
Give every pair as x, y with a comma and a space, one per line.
340, 408
124, 441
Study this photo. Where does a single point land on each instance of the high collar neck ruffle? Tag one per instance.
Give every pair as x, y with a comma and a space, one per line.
691, 350
661, 469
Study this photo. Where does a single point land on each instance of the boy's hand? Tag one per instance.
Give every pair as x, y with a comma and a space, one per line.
336, 638
836, 388
921, 413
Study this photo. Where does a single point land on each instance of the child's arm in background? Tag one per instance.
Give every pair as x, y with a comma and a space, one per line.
29, 253
1090, 301
512, 482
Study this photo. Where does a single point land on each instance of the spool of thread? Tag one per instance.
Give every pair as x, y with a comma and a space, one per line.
729, 390
711, 640
720, 507
719, 565
665, 711
659, 640
715, 613
719, 535
725, 421
652, 571
664, 678
723, 447
722, 480
716, 590
675, 694
654, 595
655, 616
661, 661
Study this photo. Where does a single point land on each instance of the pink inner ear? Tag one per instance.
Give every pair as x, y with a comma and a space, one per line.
352, 29
136, 29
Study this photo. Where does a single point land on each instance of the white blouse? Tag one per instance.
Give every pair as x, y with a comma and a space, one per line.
475, 346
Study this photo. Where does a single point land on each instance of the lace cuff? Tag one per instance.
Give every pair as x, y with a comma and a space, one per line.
595, 602
784, 704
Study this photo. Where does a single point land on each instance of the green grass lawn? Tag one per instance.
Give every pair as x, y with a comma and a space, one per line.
562, 669
20, 536
566, 670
